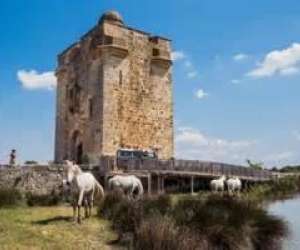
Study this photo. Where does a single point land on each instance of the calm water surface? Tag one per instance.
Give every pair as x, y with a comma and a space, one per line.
289, 210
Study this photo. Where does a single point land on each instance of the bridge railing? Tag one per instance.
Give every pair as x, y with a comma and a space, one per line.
208, 168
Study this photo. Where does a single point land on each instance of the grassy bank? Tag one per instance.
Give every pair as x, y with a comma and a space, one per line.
190, 223
283, 188
51, 228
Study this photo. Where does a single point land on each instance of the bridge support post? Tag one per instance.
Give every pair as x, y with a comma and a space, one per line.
149, 184
192, 185
162, 185
158, 184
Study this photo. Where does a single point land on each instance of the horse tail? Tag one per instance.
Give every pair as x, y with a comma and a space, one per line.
140, 187
100, 188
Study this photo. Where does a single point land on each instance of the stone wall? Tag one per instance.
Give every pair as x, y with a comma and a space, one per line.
38, 180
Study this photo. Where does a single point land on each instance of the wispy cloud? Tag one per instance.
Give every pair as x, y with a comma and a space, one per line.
177, 55
296, 135
192, 74
281, 62
193, 144
240, 57
235, 81
200, 94
190, 69
33, 80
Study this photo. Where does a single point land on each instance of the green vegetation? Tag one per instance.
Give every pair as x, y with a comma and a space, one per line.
214, 222
279, 189
291, 169
43, 200
10, 197
255, 165
31, 162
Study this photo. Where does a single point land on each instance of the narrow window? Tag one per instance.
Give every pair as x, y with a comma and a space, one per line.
76, 98
120, 78
155, 52
70, 100
108, 40
91, 108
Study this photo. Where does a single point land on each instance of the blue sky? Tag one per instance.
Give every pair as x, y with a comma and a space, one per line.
236, 73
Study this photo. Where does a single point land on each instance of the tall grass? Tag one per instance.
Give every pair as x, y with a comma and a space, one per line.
213, 223
276, 189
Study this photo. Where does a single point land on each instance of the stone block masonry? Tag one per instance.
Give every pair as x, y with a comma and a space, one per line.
39, 180
114, 91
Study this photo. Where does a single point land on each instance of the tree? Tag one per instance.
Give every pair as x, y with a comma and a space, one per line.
255, 165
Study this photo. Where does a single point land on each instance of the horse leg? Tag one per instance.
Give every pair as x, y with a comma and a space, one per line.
91, 203
74, 209
85, 200
80, 199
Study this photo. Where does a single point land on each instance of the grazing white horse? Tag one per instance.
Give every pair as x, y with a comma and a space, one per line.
234, 184
128, 184
218, 184
83, 187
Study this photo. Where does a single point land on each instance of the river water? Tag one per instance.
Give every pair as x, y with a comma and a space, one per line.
289, 210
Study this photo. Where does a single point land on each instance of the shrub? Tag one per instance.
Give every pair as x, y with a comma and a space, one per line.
10, 197
156, 204
213, 223
108, 206
161, 233
43, 199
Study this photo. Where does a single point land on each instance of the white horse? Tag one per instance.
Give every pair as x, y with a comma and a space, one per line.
128, 184
83, 187
218, 184
234, 184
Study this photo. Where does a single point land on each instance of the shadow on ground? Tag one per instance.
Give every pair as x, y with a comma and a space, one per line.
52, 220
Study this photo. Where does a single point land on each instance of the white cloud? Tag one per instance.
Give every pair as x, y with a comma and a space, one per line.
192, 144
177, 55
235, 81
192, 74
190, 69
200, 94
282, 62
289, 71
188, 64
33, 80
296, 135
240, 57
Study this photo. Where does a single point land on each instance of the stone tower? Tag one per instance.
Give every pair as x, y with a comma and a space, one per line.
114, 91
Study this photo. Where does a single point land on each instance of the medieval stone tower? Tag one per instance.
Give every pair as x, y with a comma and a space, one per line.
114, 91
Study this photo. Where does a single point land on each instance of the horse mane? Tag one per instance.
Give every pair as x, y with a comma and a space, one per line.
77, 169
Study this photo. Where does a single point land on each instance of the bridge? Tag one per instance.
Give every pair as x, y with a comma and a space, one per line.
158, 174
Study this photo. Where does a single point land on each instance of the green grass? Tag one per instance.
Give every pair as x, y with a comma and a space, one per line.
51, 228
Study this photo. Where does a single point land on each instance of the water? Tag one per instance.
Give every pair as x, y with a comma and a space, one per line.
289, 210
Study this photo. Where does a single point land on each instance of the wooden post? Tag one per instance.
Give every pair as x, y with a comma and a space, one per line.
158, 184
162, 185
192, 185
149, 184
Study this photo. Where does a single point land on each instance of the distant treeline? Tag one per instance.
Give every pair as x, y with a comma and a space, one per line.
287, 169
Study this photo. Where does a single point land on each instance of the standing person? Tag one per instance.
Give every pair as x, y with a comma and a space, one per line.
12, 157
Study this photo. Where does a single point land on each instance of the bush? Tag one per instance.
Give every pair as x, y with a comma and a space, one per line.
43, 200
161, 204
10, 197
161, 233
108, 206
213, 223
